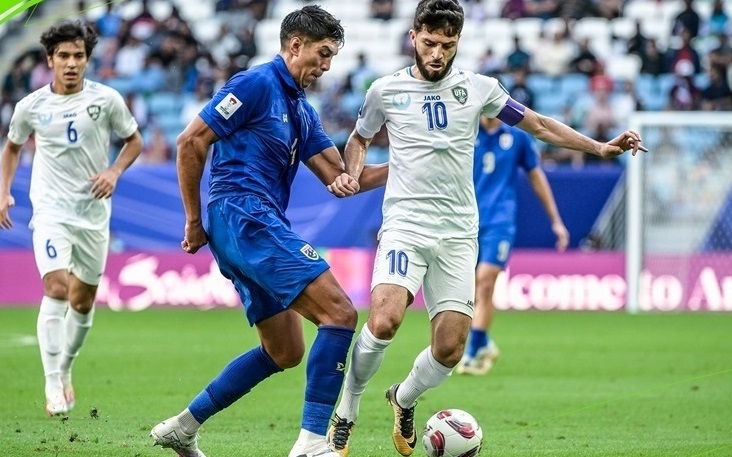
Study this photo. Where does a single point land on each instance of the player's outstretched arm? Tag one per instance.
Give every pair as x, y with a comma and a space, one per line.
554, 132
8, 166
544, 193
192, 149
104, 183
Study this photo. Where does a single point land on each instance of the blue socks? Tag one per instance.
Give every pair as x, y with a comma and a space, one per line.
478, 339
325, 372
236, 379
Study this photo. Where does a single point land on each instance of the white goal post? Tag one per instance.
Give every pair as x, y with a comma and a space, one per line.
679, 213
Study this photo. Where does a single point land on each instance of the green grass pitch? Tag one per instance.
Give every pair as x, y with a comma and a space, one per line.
567, 384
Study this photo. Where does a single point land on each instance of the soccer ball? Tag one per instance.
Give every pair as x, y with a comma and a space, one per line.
452, 433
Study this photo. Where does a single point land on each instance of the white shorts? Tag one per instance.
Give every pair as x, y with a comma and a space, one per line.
82, 252
446, 266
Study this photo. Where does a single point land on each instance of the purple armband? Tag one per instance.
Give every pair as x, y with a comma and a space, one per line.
512, 112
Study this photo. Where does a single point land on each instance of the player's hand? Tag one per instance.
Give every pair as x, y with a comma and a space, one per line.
104, 183
344, 185
629, 140
562, 234
195, 237
6, 202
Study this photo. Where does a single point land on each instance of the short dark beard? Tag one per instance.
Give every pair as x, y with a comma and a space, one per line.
428, 74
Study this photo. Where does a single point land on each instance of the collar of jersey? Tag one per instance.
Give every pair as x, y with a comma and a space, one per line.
287, 80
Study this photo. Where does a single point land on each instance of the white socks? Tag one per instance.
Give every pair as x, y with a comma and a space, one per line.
188, 424
426, 373
366, 357
77, 326
51, 336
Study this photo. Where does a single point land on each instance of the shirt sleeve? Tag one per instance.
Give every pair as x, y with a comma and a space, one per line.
20, 128
371, 115
237, 103
495, 95
317, 139
120, 117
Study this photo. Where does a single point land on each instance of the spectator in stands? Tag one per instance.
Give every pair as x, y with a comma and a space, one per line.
684, 95
719, 21
362, 76
518, 59
585, 61
652, 61
552, 57
576, 9
637, 42
609, 9
131, 56
489, 64
17, 82
193, 105
686, 53
624, 102
41, 74
514, 9
475, 10
717, 96
157, 150
688, 19
520, 91
109, 25
382, 9
722, 54
543, 9
600, 118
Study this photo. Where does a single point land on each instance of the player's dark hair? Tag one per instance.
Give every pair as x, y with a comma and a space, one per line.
311, 22
445, 15
69, 31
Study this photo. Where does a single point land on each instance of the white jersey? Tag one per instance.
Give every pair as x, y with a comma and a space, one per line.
72, 135
432, 128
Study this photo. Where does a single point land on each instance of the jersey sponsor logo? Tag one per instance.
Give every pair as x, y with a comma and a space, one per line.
429, 98
401, 101
461, 94
309, 252
228, 105
45, 119
94, 111
505, 141
69, 115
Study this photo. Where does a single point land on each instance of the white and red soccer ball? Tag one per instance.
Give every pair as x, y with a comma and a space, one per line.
452, 433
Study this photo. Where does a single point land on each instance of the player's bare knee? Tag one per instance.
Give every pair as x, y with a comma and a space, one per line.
448, 354
56, 289
343, 313
384, 326
288, 358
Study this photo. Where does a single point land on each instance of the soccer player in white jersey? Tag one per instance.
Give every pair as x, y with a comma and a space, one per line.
71, 184
430, 219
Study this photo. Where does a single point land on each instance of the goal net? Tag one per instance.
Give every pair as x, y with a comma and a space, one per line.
679, 213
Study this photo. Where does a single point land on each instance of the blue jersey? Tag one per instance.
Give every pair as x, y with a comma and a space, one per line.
498, 156
265, 128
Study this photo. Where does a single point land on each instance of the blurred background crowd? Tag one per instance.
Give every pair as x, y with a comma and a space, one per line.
589, 63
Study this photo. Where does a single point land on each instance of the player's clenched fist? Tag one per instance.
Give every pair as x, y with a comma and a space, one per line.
6, 202
344, 185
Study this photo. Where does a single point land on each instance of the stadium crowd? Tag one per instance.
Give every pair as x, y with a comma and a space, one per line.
167, 73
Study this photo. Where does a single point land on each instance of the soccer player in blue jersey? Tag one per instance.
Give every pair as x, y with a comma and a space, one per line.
500, 151
261, 126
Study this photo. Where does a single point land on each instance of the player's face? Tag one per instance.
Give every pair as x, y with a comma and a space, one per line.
68, 62
434, 53
313, 59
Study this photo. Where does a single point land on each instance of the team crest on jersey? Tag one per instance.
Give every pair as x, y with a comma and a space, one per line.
309, 252
505, 141
228, 105
460, 94
94, 111
45, 119
401, 101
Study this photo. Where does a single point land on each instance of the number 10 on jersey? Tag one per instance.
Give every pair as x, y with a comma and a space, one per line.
436, 115
398, 262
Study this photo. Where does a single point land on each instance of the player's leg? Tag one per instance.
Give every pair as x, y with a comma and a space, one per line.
324, 303
481, 351
448, 291
399, 267
88, 259
52, 250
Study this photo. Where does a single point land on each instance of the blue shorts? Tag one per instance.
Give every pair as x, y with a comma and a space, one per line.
256, 249
494, 245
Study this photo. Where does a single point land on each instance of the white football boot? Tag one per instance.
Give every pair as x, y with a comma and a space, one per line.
55, 400
69, 393
482, 363
168, 434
